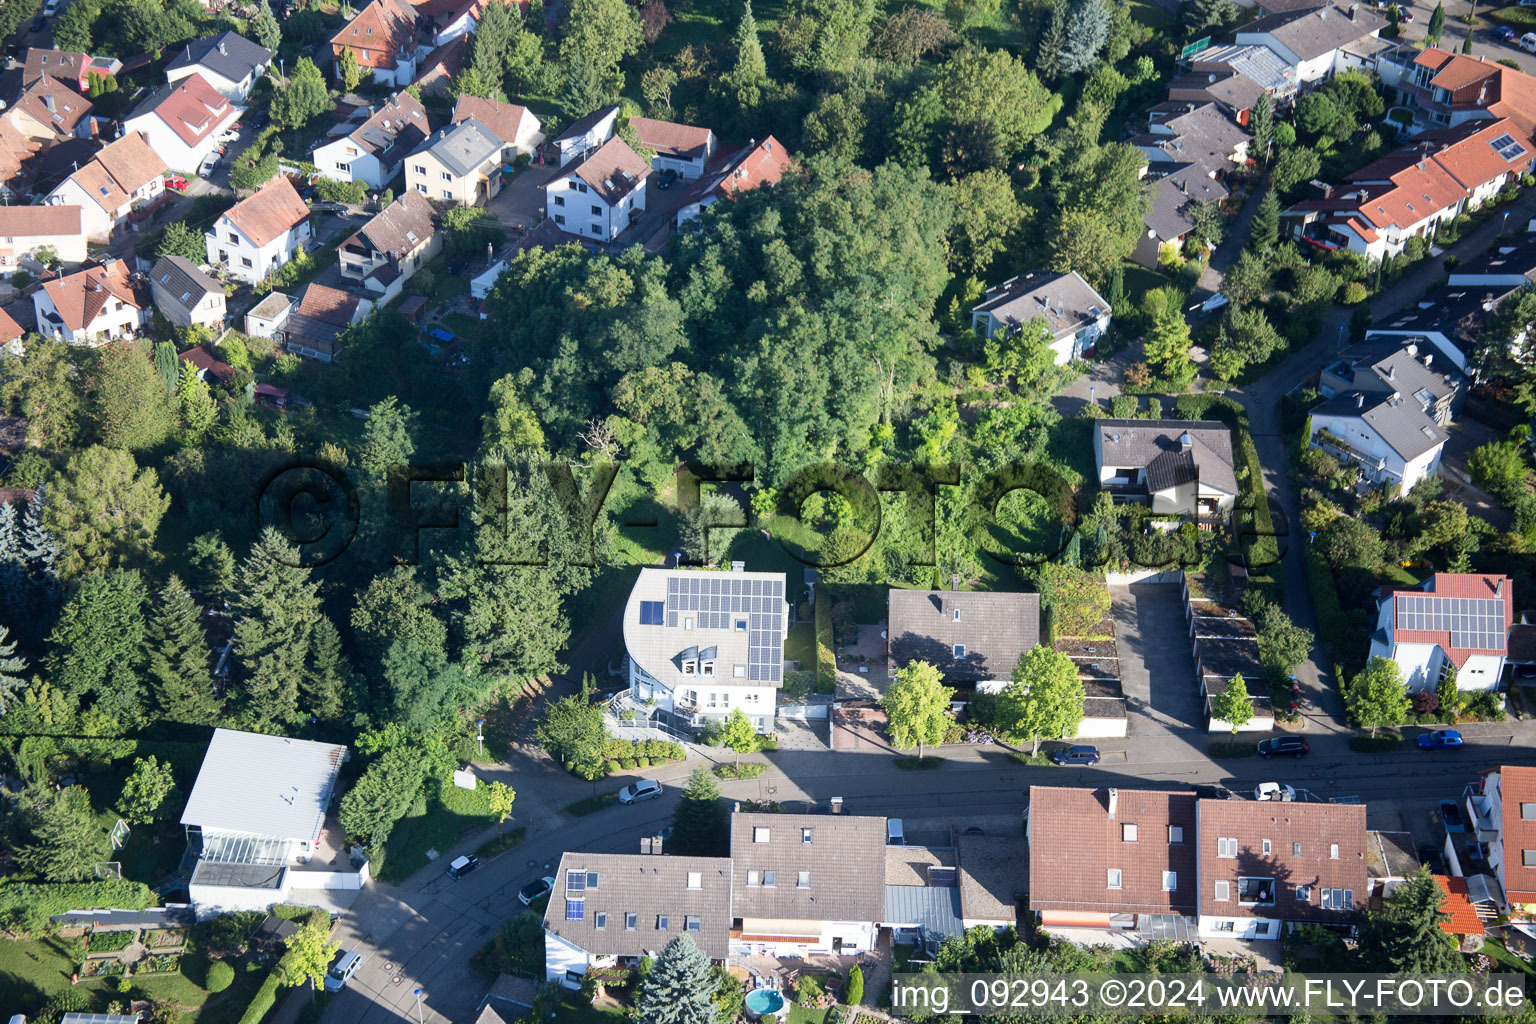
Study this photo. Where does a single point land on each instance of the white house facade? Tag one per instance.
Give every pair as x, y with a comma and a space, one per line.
1452, 622
260, 233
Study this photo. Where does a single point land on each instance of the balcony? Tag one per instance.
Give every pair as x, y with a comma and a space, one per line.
1373, 465
1256, 892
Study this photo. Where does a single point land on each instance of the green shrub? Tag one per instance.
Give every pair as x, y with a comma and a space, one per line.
220, 976
612, 764
826, 660
1354, 293
1383, 742
111, 942
25, 906
262, 1001
628, 764
853, 992
591, 804
750, 770
503, 842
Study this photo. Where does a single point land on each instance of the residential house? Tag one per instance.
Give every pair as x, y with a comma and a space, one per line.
24, 230
601, 195
994, 878
183, 122
1452, 622
759, 165
1448, 320
185, 295
1073, 314
612, 909
1502, 810
512, 123
1463, 922
1320, 39
1507, 265
69, 66
922, 895
1391, 858
91, 307
1225, 646
1175, 193
1183, 467
312, 326
16, 161
1443, 89
1386, 413
256, 824
586, 133
383, 38
228, 62
802, 884
384, 253
118, 181
973, 637
269, 316
460, 163
1258, 64
1412, 191
261, 232
681, 148
50, 111
11, 335
443, 21
702, 644
1265, 864
1113, 865
1233, 92
1200, 133
442, 67
209, 369
373, 151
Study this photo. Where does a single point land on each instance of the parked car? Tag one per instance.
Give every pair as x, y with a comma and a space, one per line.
1528, 42
1274, 791
1440, 739
176, 183
1076, 755
346, 965
1503, 33
645, 789
50, 8
666, 178
535, 890
209, 163
229, 135
1450, 813
895, 834
462, 866
1295, 746
1213, 793
1404, 14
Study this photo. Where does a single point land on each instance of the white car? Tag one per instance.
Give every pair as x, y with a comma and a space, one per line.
1274, 791
1528, 42
227, 136
645, 789
209, 163
342, 970
50, 8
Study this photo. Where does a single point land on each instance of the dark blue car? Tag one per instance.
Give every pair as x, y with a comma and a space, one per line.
1504, 34
1440, 739
1076, 755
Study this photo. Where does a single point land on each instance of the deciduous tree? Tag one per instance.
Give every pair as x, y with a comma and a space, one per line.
1045, 699
308, 957
916, 707
130, 406
571, 731
1233, 705
1378, 696
145, 791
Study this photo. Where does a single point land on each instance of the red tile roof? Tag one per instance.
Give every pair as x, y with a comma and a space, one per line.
130, 163
1517, 788
10, 330
81, 297
55, 104
1474, 83
1464, 919
379, 31
668, 138
193, 109
330, 305
1317, 828
764, 164
205, 362
612, 170
1074, 842
25, 221
503, 119
274, 209
1457, 585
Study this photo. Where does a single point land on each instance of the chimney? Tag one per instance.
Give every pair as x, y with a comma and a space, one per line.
656, 846
1114, 802
1186, 442
645, 845
738, 567
837, 805
1352, 9
1428, 358
222, 49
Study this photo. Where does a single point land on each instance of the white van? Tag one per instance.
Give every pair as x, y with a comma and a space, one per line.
894, 836
1528, 42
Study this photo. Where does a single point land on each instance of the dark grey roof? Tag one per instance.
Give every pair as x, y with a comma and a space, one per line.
1136, 444
1322, 28
1171, 469
1222, 626
1230, 88
1064, 301
1521, 646
397, 127
239, 876
398, 228
1104, 707
994, 628
278, 928
934, 908
1173, 193
1224, 658
993, 870
1200, 133
182, 282
649, 887
463, 147
844, 860
582, 125
1399, 420
227, 54
1456, 311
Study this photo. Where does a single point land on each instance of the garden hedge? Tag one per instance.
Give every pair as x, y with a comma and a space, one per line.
262, 1002
26, 906
826, 660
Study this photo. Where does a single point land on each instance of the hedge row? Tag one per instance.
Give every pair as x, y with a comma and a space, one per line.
26, 906
1332, 623
654, 751
262, 1002
826, 660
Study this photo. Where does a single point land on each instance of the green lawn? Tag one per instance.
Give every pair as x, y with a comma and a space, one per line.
803, 1015
800, 645
575, 1010
434, 823
1139, 280
33, 969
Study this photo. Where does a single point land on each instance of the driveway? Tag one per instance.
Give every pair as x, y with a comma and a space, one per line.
1157, 669
520, 203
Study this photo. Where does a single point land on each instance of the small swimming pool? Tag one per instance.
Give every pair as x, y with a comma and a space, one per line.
764, 1001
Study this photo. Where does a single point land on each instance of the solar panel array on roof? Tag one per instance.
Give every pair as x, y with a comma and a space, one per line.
716, 599
1473, 622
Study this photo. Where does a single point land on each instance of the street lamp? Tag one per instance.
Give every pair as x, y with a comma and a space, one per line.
480, 735
1504, 223
1091, 400
419, 1018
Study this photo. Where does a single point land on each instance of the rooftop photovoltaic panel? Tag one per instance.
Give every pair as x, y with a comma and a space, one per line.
1473, 622
716, 600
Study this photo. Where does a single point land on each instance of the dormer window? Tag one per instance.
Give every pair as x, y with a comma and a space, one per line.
690, 668
707, 669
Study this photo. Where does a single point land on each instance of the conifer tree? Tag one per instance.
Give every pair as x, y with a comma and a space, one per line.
13, 668
276, 606
1405, 936
680, 988
1265, 230
265, 28
699, 824
177, 657
750, 71
325, 672
41, 551
13, 566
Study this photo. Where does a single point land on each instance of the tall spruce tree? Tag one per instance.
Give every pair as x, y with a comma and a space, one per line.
13, 565
1406, 937
94, 649
680, 988
326, 671
177, 656
492, 42
41, 551
583, 89
265, 27
749, 73
1053, 41
700, 827
67, 839
13, 669
1265, 229
276, 605
1261, 121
